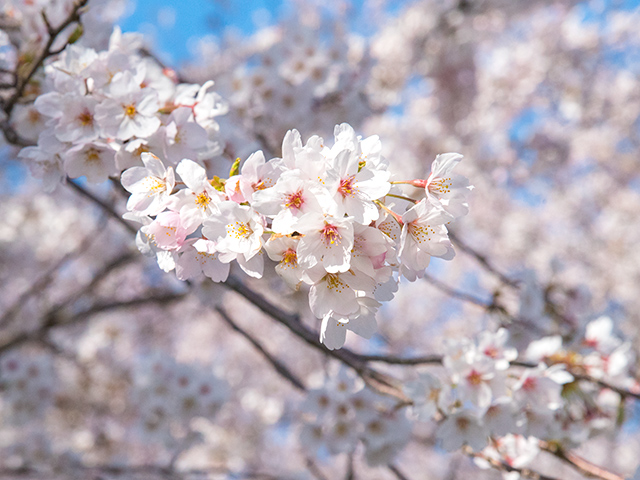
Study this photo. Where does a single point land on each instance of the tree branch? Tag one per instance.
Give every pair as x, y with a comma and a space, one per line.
582, 465
278, 366
482, 260
108, 209
505, 467
452, 292
397, 472
53, 32
39, 285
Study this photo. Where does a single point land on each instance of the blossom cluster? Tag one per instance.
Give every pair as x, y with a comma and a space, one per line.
29, 385
312, 73
98, 111
169, 394
494, 403
343, 413
320, 212
532, 92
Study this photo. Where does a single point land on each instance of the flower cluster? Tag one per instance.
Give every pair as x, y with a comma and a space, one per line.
320, 212
343, 413
310, 72
28, 384
483, 400
99, 111
169, 394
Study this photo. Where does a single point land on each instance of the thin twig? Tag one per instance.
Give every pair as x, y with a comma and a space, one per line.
376, 380
126, 471
53, 32
381, 382
623, 392
396, 471
11, 136
584, 466
148, 53
505, 467
482, 260
452, 292
38, 286
314, 470
395, 360
108, 209
492, 307
51, 317
350, 474
278, 366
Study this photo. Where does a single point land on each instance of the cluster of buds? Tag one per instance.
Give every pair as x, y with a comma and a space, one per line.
322, 213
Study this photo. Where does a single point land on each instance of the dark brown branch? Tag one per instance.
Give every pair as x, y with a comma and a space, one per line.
127, 471
314, 470
53, 320
381, 382
278, 366
376, 380
396, 471
148, 53
42, 282
505, 467
12, 136
582, 465
623, 392
108, 209
395, 360
53, 32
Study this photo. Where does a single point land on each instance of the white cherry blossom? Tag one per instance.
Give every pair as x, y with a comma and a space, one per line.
150, 186
326, 241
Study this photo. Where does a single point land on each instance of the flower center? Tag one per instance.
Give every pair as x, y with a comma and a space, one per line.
330, 234
346, 188
34, 116
130, 110
295, 200
154, 185
421, 233
529, 384
462, 423
85, 118
334, 283
239, 230
203, 200
93, 155
474, 378
290, 257
491, 352
440, 186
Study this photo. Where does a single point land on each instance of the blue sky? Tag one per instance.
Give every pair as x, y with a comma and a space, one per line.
175, 24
